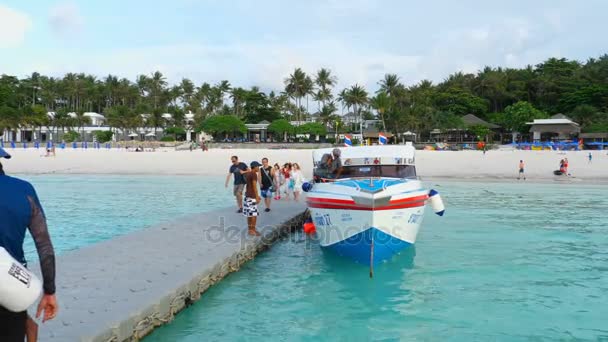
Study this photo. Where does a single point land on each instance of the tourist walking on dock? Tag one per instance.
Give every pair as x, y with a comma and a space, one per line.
20, 210
236, 170
298, 179
288, 184
277, 181
266, 183
521, 170
252, 198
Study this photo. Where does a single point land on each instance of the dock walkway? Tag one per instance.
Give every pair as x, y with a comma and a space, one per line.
123, 288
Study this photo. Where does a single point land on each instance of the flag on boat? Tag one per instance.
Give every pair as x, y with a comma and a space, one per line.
347, 141
382, 140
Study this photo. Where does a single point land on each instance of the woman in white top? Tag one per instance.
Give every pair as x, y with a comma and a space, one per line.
298, 180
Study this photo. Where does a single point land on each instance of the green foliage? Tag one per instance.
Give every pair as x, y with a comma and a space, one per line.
460, 102
103, 136
599, 127
175, 130
71, 136
516, 116
480, 131
585, 114
222, 124
280, 127
178, 133
167, 138
576, 89
312, 128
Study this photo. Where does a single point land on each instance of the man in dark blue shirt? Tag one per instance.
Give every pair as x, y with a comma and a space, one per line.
237, 169
20, 209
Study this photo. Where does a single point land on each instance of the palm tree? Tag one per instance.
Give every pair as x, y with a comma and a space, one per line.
381, 103
389, 83
324, 81
357, 97
187, 92
238, 96
157, 83
298, 85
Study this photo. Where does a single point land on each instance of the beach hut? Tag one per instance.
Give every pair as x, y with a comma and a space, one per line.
558, 127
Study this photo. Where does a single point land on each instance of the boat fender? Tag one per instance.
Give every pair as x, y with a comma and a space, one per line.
19, 288
436, 202
309, 228
306, 187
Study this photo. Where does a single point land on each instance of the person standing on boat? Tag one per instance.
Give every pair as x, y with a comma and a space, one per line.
237, 168
336, 164
252, 198
21, 210
266, 183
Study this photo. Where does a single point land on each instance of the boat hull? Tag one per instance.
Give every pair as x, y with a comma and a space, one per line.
368, 227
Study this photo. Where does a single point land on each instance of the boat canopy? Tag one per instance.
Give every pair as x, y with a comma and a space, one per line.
371, 155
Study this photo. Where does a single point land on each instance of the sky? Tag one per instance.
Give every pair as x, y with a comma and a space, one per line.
261, 42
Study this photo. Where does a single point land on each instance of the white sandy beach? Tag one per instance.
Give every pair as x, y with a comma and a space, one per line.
465, 165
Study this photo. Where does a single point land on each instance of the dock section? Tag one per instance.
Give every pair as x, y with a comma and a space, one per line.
123, 288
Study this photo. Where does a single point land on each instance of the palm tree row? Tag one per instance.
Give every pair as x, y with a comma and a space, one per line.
556, 85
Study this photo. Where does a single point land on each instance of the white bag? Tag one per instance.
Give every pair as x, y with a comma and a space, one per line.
19, 288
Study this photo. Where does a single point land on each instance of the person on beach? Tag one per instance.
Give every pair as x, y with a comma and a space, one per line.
266, 183
521, 170
277, 181
237, 169
21, 210
566, 166
252, 198
590, 158
298, 180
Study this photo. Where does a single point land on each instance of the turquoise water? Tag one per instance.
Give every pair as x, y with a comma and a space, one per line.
508, 262
82, 210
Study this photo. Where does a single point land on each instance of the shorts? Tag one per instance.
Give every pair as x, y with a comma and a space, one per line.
266, 193
521, 170
238, 189
12, 325
250, 207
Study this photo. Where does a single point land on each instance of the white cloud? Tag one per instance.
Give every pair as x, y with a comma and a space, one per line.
13, 27
65, 19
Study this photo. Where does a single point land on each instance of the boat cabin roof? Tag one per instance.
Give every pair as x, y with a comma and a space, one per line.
366, 155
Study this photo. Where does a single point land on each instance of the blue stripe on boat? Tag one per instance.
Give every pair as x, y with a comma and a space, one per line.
358, 247
364, 184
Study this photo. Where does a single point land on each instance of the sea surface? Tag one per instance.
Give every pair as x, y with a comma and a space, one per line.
85, 209
508, 262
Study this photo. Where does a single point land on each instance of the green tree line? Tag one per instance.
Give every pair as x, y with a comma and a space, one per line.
505, 96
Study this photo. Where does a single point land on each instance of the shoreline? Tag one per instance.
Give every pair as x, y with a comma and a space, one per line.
472, 179
469, 166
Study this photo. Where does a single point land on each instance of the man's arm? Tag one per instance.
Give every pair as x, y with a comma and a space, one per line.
40, 233
227, 179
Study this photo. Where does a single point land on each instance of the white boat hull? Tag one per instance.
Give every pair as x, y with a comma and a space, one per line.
368, 221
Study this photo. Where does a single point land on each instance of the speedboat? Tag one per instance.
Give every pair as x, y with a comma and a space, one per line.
373, 208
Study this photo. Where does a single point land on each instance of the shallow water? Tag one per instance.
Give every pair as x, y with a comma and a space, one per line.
85, 209
508, 262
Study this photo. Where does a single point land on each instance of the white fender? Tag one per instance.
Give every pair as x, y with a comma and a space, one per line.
436, 203
19, 288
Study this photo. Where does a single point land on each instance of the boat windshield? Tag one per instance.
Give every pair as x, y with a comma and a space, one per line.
394, 171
